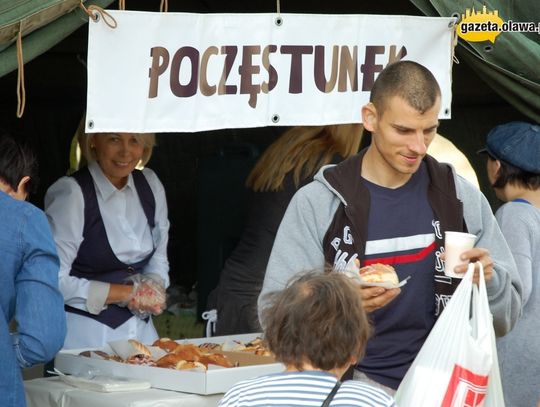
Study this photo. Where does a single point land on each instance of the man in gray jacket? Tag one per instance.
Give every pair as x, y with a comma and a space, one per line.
391, 204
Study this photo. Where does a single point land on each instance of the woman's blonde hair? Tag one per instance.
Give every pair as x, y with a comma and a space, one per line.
303, 150
88, 155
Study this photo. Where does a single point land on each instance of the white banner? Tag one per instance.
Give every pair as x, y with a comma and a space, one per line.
180, 72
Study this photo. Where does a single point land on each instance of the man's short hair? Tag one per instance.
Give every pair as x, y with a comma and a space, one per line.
319, 319
409, 80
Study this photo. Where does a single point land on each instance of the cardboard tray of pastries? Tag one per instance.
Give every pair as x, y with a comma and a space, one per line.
197, 365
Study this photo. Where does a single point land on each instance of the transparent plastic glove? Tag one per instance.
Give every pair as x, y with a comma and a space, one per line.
148, 298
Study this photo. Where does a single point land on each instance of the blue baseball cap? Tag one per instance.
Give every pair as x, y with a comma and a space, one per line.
516, 143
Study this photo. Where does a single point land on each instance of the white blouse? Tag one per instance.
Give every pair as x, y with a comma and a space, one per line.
130, 239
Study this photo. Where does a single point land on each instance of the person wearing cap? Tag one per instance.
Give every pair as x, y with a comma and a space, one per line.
513, 169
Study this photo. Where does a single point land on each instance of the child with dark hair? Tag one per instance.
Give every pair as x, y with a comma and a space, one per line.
513, 169
28, 275
317, 328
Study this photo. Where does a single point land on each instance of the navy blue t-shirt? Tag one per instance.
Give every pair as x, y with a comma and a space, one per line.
401, 233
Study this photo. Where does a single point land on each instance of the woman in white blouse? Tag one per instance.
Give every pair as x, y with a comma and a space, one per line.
109, 221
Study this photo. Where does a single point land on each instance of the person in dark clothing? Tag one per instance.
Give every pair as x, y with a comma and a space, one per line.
391, 204
288, 164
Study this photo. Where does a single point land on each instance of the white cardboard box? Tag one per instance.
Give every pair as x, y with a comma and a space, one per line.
214, 380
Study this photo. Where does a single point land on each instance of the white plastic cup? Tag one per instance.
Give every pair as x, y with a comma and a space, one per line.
455, 243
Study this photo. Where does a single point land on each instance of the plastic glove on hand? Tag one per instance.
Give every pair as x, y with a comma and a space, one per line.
149, 297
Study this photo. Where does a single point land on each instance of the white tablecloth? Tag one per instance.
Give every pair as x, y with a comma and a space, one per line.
51, 392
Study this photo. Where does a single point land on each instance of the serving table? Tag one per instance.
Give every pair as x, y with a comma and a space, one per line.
52, 392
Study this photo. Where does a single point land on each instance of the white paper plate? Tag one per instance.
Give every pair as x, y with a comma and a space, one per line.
356, 277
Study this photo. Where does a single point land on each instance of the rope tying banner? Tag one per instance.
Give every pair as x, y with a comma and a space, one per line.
96, 12
164, 6
21, 92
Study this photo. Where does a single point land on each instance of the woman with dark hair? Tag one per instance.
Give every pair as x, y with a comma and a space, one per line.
28, 275
513, 169
287, 165
317, 328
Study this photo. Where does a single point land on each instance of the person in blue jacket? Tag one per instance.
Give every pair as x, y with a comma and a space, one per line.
28, 275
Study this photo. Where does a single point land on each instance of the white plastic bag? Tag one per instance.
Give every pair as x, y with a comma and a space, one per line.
457, 366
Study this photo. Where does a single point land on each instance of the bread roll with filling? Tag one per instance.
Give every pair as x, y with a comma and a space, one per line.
215, 359
166, 344
188, 365
379, 273
169, 361
187, 351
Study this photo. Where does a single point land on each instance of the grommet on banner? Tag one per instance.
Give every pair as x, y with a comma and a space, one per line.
279, 20
457, 19
90, 124
275, 118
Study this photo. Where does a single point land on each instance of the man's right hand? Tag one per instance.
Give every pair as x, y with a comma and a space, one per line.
374, 298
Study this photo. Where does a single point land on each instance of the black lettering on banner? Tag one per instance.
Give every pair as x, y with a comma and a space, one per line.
190, 88
160, 62
272, 73
206, 89
322, 84
296, 52
369, 68
230, 52
185, 80
394, 57
348, 68
246, 71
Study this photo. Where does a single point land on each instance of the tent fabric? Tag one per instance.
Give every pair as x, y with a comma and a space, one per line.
510, 65
44, 24
21, 15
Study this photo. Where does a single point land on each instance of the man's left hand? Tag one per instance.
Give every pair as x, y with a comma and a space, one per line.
476, 254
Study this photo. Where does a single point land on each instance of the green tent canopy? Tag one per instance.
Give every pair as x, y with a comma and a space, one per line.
510, 66
44, 23
28, 28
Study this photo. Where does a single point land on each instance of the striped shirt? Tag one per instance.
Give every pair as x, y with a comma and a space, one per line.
308, 388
